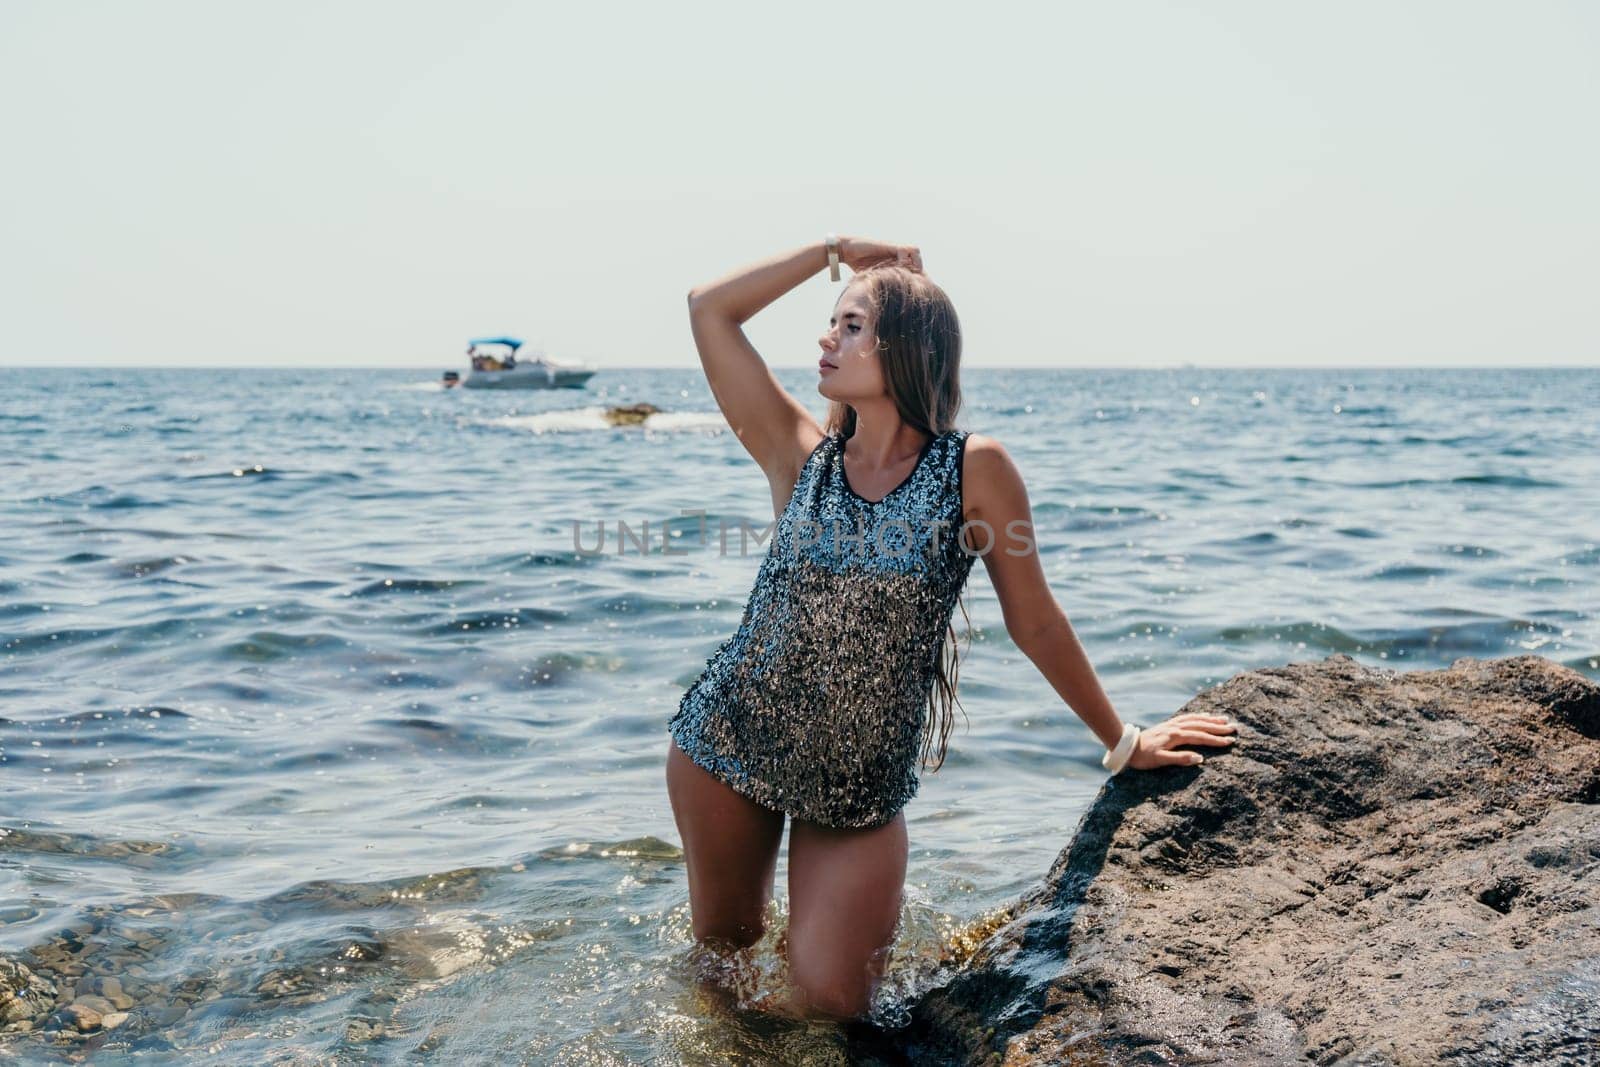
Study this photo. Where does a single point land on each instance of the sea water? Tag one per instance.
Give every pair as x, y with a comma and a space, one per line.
328, 736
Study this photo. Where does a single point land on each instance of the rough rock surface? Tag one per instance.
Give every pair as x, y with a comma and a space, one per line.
23, 994
1384, 868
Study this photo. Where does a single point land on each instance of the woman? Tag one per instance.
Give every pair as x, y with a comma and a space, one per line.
818, 706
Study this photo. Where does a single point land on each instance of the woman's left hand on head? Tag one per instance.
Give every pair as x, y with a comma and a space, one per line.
858, 254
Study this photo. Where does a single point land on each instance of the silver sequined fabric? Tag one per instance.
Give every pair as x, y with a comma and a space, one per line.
817, 704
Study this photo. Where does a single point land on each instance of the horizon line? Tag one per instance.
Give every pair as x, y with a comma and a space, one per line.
1182, 365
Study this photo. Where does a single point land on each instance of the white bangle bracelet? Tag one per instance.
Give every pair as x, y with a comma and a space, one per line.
832, 244
1117, 758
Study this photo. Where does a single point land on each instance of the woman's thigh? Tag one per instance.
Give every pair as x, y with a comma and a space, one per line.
845, 892
730, 848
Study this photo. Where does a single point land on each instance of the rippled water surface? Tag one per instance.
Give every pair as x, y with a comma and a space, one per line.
320, 742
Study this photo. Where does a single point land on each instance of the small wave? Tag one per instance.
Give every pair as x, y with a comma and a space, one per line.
1515, 481
1405, 483
575, 419
50, 639
141, 568
1447, 442
1317, 637
254, 470
451, 737
327, 895
474, 621
413, 585
130, 851
395, 679
646, 848
154, 711
265, 646
1404, 572
594, 418
536, 560
299, 761
1475, 551
633, 603
105, 498
686, 420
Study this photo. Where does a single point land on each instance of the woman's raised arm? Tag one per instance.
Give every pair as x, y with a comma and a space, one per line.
767, 420
774, 427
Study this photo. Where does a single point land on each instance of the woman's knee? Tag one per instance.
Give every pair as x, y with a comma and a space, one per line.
831, 996
836, 984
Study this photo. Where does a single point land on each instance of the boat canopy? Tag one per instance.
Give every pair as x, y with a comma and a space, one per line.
512, 341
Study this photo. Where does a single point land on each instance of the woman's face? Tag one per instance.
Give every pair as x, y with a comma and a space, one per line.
849, 368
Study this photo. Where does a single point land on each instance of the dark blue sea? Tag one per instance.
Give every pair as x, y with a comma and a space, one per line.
321, 741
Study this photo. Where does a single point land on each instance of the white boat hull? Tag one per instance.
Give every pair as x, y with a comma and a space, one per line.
529, 376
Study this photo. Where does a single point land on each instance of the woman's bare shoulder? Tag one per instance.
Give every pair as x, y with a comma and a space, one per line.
985, 456
990, 480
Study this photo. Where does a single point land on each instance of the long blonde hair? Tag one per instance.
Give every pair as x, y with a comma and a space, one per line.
919, 347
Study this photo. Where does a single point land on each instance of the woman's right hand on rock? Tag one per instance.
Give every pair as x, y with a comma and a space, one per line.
1155, 747
858, 254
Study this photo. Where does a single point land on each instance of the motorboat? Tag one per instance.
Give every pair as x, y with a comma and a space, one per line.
495, 365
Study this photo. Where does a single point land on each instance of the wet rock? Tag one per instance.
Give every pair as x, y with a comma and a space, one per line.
114, 1019
1385, 868
79, 1017
24, 995
429, 953
630, 414
359, 1031
435, 1039
282, 984
99, 1005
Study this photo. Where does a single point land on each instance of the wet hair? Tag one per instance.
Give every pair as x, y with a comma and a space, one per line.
919, 348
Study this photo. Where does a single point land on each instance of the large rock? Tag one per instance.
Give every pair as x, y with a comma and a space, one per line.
1385, 868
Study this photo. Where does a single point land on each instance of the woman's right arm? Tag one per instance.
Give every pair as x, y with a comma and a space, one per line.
768, 421
995, 498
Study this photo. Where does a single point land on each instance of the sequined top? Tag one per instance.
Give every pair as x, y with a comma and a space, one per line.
816, 705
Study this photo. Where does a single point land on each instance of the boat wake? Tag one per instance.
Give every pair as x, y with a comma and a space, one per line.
595, 418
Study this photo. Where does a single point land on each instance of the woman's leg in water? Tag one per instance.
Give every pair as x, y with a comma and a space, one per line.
845, 891
730, 847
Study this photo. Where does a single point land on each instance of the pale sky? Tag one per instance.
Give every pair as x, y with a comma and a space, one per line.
1378, 182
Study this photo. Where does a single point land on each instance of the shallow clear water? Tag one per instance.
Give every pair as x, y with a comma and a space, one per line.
318, 734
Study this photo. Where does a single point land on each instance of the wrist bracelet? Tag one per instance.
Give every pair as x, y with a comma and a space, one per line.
1117, 758
832, 244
